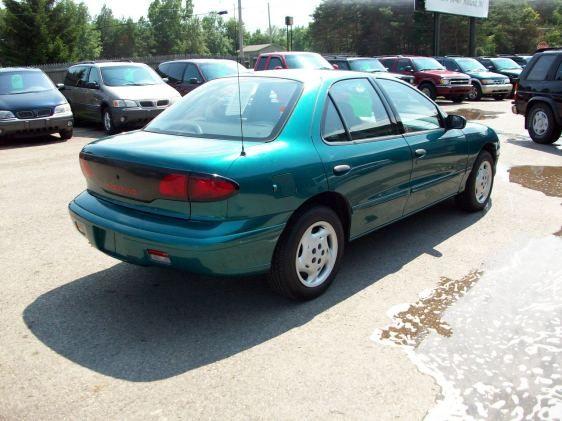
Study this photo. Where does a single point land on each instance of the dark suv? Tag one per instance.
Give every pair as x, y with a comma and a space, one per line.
365, 64
520, 59
504, 66
539, 96
432, 78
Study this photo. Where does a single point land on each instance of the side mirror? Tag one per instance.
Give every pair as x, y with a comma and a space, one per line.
92, 85
335, 66
409, 69
165, 79
194, 81
455, 122
60, 86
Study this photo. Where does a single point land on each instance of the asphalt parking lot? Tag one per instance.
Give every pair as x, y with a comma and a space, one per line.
471, 305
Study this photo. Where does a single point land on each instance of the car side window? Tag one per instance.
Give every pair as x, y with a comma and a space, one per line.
175, 72
559, 72
416, 111
83, 75
333, 129
386, 62
163, 69
261, 63
71, 79
192, 73
274, 62
451, 65
343, 65
541, 67
361, 108
403, 64
94, 76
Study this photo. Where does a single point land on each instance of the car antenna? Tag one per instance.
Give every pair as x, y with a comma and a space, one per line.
242, 152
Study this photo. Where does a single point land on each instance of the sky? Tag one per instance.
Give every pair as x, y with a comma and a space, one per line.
254, 12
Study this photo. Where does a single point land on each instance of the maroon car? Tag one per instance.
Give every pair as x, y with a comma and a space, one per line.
186, 75
291, 60
432, 78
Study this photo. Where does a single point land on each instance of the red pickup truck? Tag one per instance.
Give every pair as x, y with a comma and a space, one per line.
431, 77
291, 60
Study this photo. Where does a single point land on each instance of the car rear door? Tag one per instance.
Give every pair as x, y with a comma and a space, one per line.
365, 158
440, 155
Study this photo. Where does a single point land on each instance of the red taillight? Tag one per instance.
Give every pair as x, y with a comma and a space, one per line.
208, 188
174, 186
86, 169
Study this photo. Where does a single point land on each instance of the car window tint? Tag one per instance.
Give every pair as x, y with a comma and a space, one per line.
332, 128
71, 78
175, 71
386, 62
541, 67
416, 111
261, 63
94, 76
163, 69
192, 73
402, 64
559, 72
274, 62
343, 65
361, 108
83, 75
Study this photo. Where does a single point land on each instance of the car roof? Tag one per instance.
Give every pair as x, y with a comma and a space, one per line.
288, 53
108, 63
200, 60
309, 76
19, 69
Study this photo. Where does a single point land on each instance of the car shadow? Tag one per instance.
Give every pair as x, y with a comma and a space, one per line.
147, 324
527, 142
26, 142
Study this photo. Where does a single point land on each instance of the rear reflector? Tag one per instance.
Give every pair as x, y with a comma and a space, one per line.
159, 256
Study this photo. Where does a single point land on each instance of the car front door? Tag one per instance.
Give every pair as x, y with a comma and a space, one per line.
440, 155
191, 78
80, 92
365, 158
175, 76
94, 98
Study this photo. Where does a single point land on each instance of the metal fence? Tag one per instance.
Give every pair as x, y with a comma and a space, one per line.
57, 71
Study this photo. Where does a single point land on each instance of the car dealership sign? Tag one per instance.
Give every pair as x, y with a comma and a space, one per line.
474, 8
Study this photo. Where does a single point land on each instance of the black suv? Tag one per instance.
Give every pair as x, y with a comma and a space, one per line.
365, 64
539, 96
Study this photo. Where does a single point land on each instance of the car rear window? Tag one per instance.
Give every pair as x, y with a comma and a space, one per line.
541, 67
24, 82
214, 110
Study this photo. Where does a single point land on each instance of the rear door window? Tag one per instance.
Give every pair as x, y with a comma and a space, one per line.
541, 67
559, 72
361, 108
333, 129
175, 71
74, 75
416, 112
83, 76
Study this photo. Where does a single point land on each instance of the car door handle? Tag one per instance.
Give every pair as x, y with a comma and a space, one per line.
420, 153
341, 169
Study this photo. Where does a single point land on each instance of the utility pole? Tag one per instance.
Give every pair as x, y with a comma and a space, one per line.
240, 31
436, 34
472, 38
269, 20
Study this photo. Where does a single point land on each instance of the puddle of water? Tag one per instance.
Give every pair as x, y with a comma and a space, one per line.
476, 114
413, 324
504, 360
544, 179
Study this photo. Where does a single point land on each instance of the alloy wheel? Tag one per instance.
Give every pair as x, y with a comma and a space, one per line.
484, 178
540, 123
316, 254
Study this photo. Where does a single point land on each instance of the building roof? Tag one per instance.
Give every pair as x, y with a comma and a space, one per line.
258, 47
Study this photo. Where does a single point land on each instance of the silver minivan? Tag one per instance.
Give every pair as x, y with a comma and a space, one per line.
118, 94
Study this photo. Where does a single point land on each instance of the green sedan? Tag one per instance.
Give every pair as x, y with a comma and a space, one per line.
276, 172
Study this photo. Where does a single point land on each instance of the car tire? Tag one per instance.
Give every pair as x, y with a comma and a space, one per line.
479, 185
66, 134
475, 93
458, 99
308, 254
542, 125
429, 90
107, 121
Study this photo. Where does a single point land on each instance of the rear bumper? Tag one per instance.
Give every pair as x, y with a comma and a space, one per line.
455, 90
36, 126
134, 117
497, 89
211, 248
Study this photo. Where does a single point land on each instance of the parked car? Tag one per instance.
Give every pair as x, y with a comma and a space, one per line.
484, 82
31, 105
118, 94
539, 96
521, 59
504, 66
325, 158
291, 60
365, 64
186, 75
431, 77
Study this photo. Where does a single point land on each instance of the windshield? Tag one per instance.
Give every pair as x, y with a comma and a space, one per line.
222, 69
132, 75
505, 64
307, 61
470, 65
367, 65
24, 82
427, 63
213, 111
